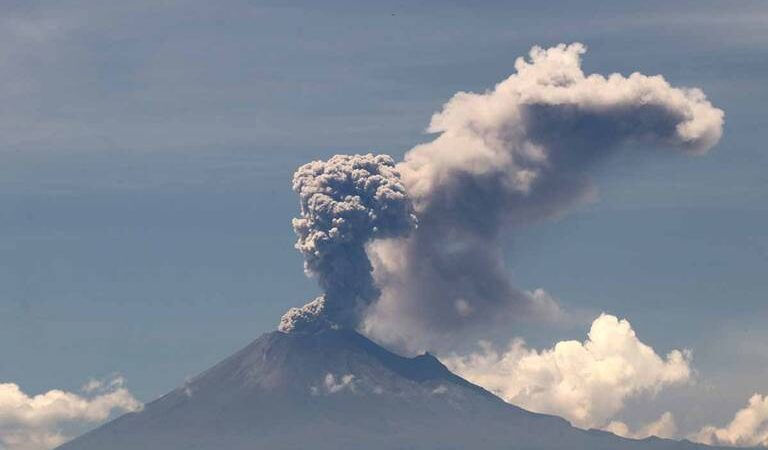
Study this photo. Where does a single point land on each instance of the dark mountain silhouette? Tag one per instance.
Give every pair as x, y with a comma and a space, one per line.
337, 390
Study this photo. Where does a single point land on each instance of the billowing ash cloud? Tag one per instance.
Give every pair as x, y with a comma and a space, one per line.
346, 202
506, 158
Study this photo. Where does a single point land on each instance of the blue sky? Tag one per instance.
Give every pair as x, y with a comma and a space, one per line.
147, 150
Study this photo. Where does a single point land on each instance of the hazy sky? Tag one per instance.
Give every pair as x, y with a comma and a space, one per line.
147, 149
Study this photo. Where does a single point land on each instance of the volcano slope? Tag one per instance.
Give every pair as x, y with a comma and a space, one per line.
336, 390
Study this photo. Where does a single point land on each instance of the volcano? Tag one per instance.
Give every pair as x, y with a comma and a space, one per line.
334, 390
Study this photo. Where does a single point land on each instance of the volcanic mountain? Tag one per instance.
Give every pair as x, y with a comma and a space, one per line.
334, 390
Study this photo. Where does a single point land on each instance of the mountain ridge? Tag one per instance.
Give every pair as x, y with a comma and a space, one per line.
336, 389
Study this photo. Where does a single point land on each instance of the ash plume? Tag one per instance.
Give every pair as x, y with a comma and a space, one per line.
507, 158
503, 159
346, 202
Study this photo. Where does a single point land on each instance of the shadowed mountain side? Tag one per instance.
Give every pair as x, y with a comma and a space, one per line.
337, 390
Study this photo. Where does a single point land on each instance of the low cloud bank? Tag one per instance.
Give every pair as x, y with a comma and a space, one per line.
35, 422
585, 382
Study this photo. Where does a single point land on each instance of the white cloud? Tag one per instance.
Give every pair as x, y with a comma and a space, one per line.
34, 422
663, 427
332, 384
749, 427
584, 382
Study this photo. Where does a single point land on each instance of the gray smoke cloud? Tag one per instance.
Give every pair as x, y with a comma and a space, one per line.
346, 202
507, 158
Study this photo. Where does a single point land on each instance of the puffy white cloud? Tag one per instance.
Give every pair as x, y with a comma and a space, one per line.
749, 427
585, 382
663, 427
508, 157
34, 422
